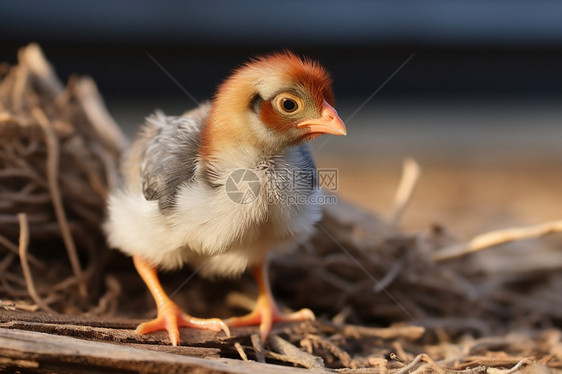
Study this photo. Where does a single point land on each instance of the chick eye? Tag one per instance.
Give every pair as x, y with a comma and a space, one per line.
289, 105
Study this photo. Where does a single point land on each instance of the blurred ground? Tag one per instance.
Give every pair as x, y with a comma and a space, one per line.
468, 199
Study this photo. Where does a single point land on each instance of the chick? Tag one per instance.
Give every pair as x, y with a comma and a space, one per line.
209, 188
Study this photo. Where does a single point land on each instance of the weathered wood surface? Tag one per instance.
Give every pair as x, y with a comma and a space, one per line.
41, 341
117, 330
41, 352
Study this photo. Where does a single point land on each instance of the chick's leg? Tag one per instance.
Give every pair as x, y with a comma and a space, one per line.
265, 312
170, 316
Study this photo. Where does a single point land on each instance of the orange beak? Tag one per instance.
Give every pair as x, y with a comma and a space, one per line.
328, 123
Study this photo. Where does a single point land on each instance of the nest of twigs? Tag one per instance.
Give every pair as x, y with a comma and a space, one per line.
58, 154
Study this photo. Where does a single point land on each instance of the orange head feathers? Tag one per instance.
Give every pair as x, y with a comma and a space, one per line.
270, 103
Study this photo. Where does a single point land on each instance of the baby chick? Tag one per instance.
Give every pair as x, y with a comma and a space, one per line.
209, 188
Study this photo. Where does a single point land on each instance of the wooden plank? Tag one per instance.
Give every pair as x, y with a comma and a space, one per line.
118, 330
63, 353
38, 316
189, 337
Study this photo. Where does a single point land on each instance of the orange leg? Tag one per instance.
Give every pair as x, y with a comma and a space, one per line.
170, 316
266, 312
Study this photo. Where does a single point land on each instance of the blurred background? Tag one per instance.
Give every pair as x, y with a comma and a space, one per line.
471, 89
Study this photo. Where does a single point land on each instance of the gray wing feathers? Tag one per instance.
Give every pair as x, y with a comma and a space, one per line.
170, 157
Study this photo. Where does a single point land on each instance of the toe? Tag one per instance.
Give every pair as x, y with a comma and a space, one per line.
302, 315
251, 319
221, 325
265, 328
213, 324
174, 334
160, 324
150, 326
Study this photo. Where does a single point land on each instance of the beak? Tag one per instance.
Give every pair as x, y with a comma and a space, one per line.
328, 123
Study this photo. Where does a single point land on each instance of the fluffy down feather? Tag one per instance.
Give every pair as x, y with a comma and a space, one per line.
173, 207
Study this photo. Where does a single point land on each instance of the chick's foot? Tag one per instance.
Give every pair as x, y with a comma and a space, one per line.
265, 314
171, 318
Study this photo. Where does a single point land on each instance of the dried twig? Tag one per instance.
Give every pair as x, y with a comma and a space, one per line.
514, 369
410, 175
32, 57
52, 176
289, 352
390, 276
406, 332
240, 351
332, 348
22, 75
495, 238
257, 344
421, 358
24, 242
12, 247
103, 123
108, 302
